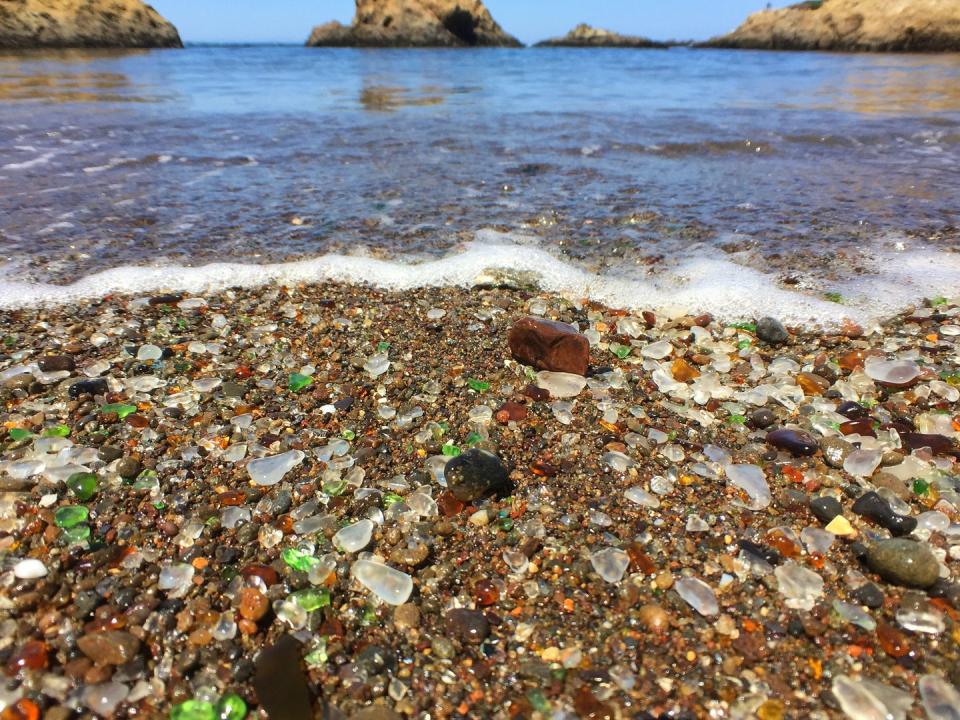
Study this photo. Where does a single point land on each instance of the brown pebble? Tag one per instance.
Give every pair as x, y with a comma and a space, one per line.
406, 616
654, 617
114, 647
253, 604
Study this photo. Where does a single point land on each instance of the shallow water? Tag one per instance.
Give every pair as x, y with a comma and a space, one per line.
632, 170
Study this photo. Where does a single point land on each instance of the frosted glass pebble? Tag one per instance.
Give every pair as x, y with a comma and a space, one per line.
391, 586
354, 538
751, 480
561, 385
698, 595
270, 470
610, 564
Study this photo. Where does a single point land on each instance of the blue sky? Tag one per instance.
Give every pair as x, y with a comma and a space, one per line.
529, 20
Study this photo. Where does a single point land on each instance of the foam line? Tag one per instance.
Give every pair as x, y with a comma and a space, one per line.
715, 285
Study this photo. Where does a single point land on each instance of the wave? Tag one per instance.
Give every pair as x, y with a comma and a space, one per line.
697, 284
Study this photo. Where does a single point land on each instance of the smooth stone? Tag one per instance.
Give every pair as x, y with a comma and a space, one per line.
474, 474
904, 562
795, 442
56, 363
97, 386
874, 507
103, 699
762, 418
825, 508
29, 569
772, 331
280, 682
869, 594
114, 647
270, 470
128, 468
835, 451
470, 626
549, 345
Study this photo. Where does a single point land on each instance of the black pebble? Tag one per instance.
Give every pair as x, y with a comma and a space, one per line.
825, 508
97, 386
870, 595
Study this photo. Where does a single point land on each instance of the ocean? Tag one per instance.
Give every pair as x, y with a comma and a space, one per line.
813, 186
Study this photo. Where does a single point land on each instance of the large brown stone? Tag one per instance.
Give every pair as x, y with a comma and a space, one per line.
549, 345
84, 24
852, 25
415, 23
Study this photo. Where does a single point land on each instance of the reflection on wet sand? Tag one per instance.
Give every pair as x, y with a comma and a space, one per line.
24, 75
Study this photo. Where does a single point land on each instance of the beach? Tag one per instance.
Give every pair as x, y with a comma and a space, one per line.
720, 520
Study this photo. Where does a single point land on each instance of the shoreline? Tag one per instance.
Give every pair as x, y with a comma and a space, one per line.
728, 290
636, 567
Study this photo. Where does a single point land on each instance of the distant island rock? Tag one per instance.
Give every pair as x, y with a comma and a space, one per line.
84, 24
415, 23
584, 35
852, 25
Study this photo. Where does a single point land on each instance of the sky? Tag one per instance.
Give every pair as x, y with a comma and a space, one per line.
529, 20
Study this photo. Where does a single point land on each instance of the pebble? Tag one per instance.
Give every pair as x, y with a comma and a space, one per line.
940, 699
56, 363
128, 468
894, 373
270, 470
871, 505
835, 451
103, 699
654, 618
610, 564
406, 616
253, 604
549, 345
762, 418
862, 463
796, 442
29, 569
355, 537
800, 586
772, 331
470, 626
561, 385
867, 699
698, 595
113, 647
825, 508
868, 594
474, 474
97, 386
903, 562
390, 585
840, 526
751, 480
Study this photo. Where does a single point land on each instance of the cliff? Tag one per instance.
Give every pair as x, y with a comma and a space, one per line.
584, 35
82, 24
852, 25
415, 23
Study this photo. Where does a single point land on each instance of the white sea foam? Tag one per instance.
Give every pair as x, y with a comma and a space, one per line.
27, 164
700, 284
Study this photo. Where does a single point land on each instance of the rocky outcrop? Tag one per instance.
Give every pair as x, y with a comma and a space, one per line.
415, 23
584, 35
84, 24
852, 25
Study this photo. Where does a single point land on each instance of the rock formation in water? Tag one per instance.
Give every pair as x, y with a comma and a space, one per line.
852, 25
584, 35
84, 24
415, 23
